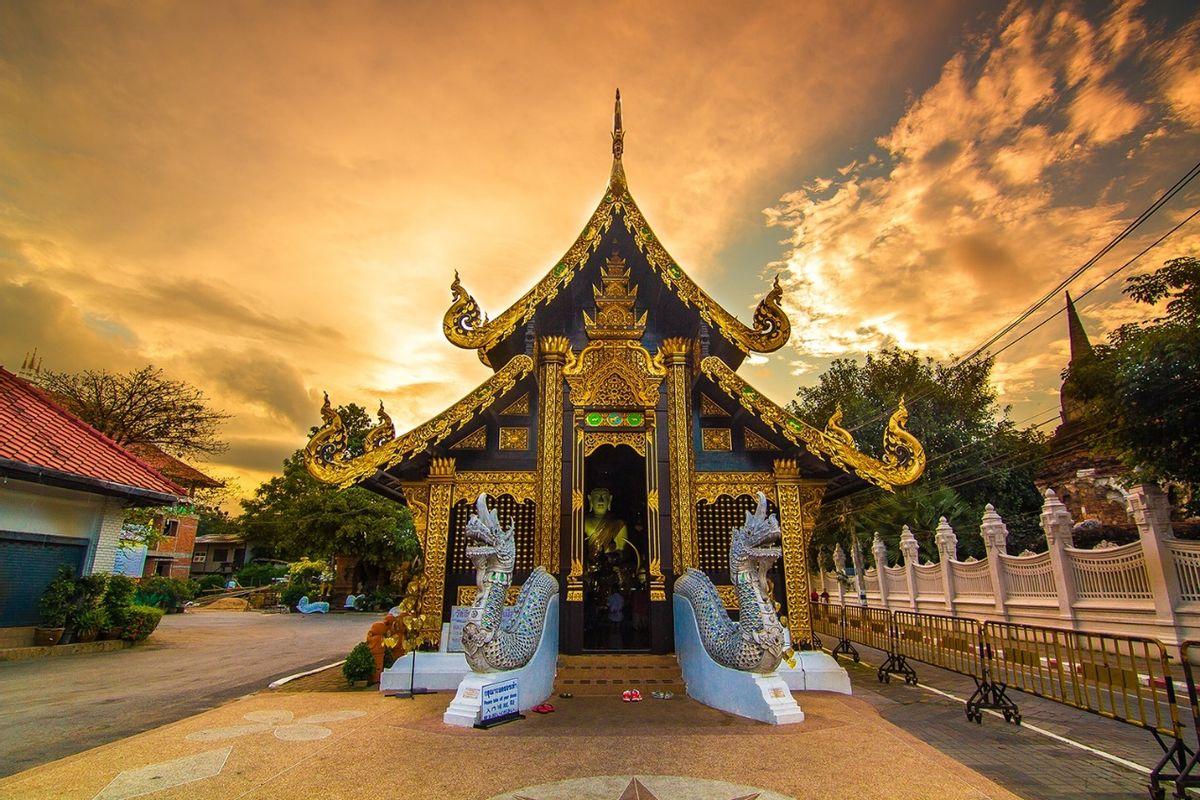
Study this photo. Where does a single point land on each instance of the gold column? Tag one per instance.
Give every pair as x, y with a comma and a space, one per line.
552, 354
437, 536
575, 576
798, 501
658, 583
684, 552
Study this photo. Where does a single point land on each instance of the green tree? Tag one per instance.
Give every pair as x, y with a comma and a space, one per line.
294, 515
1141, 390
976, 455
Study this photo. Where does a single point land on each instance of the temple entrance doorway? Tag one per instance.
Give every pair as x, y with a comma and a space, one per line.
616, 583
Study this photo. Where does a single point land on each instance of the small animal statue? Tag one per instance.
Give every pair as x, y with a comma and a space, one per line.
490, 644
755, 643
305, 607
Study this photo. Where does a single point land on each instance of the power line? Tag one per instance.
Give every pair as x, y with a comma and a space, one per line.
1162, 199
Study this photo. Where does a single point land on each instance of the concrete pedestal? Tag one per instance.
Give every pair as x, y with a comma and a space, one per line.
535, 680
815, 671
762, 697
436, 672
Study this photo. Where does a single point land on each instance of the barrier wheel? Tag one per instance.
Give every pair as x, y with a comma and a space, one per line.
885, 678
911, 680
1016, 718
1158, 793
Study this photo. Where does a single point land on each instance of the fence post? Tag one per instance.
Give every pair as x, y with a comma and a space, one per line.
947, 545
839, 569
909, 549
1152, 514
995, 541
856, 558
879, 550
1057, 524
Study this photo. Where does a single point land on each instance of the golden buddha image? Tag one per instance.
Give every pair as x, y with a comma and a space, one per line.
606, 532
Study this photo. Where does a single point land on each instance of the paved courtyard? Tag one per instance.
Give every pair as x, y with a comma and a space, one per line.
352, 745
53, 707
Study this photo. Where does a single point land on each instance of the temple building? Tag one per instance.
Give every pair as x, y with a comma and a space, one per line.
616, 435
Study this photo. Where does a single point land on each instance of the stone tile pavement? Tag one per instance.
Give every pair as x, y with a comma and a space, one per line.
1026, 763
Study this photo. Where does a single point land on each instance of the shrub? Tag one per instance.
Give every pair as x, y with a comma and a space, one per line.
213, 581
260, 574
141, 622
294, 590
382, 598
118, 597
56, 603
360, 664
165, 593
91, 620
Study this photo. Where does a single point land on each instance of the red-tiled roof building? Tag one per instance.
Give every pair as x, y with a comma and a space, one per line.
64, 487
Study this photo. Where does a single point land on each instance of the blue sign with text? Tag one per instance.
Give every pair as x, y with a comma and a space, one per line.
500, 699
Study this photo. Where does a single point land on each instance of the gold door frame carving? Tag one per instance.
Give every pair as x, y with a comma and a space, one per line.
641, 442
552, 354
685, 551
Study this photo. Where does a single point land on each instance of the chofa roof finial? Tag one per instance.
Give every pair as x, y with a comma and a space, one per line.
618, 133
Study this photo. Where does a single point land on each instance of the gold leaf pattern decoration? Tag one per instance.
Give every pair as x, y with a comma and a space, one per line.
903, 456
716, 439
475, 440
514, 438
328, 461
752, 441
710, 408
466, 326
517, 408
467, 594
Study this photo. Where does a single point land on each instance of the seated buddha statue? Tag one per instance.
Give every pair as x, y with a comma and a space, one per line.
605, 532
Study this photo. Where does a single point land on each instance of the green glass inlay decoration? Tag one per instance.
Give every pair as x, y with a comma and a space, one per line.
594, 418
615, 419
634, 419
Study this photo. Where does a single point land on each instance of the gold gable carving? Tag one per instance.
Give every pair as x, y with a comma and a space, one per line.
514, 438
475, 440
716, 439
614, 373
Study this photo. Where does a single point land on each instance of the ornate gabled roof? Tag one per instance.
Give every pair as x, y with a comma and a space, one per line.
466, 326
903, 457
326, 454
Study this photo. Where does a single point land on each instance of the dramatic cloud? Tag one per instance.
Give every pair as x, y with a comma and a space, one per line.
271, 201
1036, 144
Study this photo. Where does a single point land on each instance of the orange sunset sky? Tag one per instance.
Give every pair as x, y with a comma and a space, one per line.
270, 199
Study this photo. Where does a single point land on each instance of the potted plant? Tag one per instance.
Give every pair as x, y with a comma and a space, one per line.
55, 606
89, 623
359, 666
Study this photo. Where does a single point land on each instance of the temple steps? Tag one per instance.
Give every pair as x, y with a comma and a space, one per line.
594, 675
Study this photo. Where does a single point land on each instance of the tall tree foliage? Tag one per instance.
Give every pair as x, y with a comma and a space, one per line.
976, 454
294, 515
143, 406
1141, 389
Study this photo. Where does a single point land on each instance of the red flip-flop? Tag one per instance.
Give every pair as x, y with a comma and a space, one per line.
544, 708
635, 696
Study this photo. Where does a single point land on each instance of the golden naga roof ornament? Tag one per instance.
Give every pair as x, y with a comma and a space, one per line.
466, 327
326, 454
903, 456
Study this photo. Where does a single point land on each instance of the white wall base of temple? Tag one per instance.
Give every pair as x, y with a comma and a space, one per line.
535, 680
815, 671
765, 698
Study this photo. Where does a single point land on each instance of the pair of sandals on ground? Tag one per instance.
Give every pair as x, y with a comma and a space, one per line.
627, 696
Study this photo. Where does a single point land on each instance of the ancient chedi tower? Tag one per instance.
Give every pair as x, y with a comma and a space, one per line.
1087, 482
614, 371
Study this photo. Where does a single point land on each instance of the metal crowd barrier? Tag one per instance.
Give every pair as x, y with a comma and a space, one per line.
1125, 678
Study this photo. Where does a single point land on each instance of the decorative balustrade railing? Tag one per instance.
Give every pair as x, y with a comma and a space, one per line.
1115, 573
972, 579
929, 580
1186, 557
1029, 576
896, 582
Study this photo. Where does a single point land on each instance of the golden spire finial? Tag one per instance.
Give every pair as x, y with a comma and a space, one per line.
618, 133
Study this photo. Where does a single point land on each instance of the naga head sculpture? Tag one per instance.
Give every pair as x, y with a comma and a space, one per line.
497, 548
754, 547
